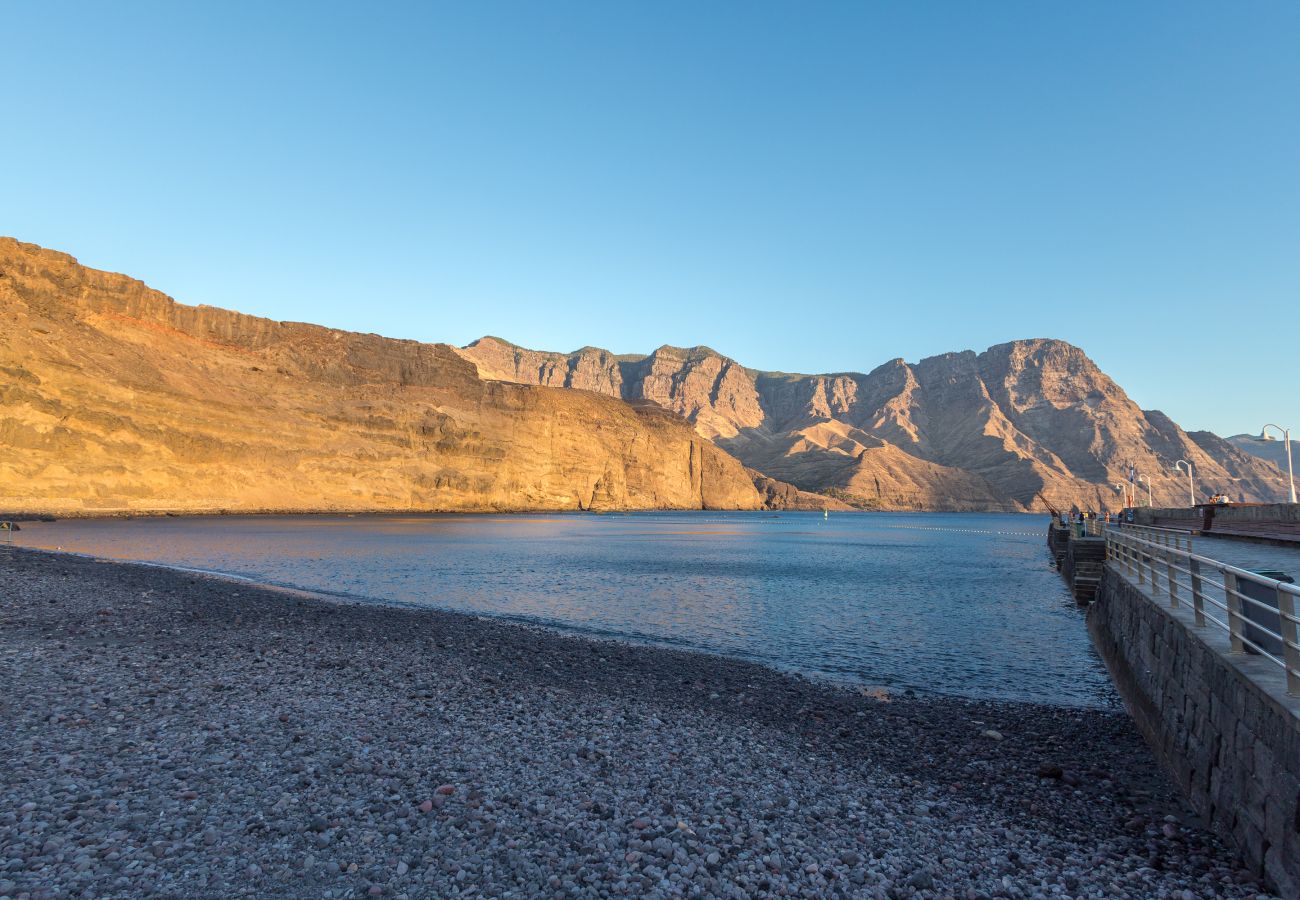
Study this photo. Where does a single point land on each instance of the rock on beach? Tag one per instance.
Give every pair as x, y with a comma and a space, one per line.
357, 750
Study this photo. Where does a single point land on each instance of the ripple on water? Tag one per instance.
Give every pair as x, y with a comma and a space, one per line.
966, 604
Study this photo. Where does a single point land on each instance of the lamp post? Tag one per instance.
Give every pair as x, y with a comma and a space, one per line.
1182, 465
1123, 493
1286, 438
1148, 481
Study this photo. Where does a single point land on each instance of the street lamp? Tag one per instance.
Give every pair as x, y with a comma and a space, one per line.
1286, 438
1148, 481
1122, 491
1182, 465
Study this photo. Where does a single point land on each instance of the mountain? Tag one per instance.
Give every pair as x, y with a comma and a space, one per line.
1273, 451
959, 431
115, 398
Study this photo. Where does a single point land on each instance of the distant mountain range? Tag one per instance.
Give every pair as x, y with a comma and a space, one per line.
115, 398
991, 430
1273, 451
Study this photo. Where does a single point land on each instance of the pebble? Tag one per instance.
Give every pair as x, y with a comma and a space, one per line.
563, 767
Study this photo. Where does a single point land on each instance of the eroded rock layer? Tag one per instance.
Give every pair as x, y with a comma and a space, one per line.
961, 431
115, 398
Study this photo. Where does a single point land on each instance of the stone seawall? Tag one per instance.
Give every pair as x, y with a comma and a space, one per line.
1286, 513
1220, 723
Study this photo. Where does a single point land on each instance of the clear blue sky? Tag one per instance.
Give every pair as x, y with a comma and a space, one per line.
806, 187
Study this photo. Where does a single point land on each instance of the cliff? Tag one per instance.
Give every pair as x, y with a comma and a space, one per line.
115, 398
959, 431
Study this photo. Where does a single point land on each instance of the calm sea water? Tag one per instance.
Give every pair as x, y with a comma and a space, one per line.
964, 604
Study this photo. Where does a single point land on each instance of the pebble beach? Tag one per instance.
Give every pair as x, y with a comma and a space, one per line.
172, 734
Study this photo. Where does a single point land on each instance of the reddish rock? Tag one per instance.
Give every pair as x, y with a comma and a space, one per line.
214, 410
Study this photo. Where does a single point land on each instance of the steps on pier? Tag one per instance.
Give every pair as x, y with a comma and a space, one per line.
1080, 559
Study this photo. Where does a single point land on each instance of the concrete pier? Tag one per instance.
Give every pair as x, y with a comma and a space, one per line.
1079, 557
1272, 522
1219, 719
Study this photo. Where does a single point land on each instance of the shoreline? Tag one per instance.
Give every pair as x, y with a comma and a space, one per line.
593, 635
38, 516
228, 737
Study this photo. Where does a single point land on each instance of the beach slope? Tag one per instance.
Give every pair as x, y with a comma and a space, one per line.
168, 733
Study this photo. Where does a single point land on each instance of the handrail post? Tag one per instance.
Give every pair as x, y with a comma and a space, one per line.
1290, 655
1173, 582
1234, 612
1140, 556
1198, 600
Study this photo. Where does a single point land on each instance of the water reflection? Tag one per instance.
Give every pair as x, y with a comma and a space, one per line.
955, 603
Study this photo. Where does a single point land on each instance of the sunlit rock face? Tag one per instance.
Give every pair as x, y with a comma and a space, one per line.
960, 431
115, 398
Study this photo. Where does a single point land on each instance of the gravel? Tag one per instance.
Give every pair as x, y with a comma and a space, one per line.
170, 734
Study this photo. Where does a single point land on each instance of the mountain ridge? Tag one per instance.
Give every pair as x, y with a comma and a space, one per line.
1273, 450
118, 399
958, 430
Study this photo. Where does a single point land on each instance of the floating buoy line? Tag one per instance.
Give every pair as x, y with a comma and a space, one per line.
963, 530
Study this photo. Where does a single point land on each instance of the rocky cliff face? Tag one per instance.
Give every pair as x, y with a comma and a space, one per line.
965, 430
115, 398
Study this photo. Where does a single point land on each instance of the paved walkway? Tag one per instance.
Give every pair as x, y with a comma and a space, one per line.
1249, 554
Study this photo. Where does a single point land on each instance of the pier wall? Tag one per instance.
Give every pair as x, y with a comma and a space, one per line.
1287, 513
1229, 738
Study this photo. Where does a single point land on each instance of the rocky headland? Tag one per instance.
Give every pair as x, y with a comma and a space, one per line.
168, 734
117, 399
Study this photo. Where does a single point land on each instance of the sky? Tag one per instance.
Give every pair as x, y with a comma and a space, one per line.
803, 187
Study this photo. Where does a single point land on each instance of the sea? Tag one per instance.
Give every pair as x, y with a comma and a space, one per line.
964, 604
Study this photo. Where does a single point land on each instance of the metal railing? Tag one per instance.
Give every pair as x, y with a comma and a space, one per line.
1213, 589
1167, 537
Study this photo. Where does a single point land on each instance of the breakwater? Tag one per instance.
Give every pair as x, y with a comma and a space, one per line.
1277, 523
1182, 638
